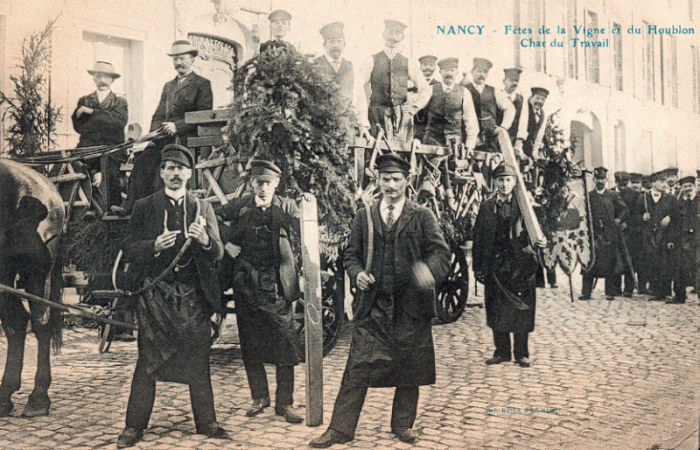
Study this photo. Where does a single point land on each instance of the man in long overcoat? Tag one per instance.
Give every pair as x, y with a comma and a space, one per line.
174, 316
687, 239
392, 342
608, 213
630, 234
266, 284
185, 93
506, 263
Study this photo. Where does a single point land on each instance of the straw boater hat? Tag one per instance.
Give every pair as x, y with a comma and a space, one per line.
105, 68
182, 47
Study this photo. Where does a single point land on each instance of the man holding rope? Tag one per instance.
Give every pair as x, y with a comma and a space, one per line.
174, 339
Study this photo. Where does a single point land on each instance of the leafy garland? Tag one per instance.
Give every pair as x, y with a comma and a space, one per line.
287, 111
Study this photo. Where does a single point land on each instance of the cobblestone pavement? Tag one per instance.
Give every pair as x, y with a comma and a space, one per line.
620, 374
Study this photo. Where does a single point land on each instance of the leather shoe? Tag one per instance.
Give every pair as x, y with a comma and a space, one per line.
496, 360
584, 297
610, 297
405, 435
288, 413
627, 294
129, 437
523, 362
258, 406
329, 438
214, 431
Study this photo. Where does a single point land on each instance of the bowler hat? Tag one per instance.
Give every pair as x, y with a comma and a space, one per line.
262, 169
539, 91
394, 24
182, 47
105, 68
427, 59
482, 63
279, 14
600, 172
688, 179
390, 163
448, 63
503, 170
178, 154
513, 74
333, 30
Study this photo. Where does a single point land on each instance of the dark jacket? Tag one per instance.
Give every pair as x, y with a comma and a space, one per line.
105, 126
146, 224
417, 238
177, 98
344, 78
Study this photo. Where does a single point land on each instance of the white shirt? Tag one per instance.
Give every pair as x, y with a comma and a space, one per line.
384, 209
176, 195
471, 121
335, 63
522, 126
102, 95
655, 195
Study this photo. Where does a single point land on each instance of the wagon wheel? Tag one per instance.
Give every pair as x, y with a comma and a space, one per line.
332, 291
453, 293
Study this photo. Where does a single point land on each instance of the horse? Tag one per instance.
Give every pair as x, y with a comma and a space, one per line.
31, 221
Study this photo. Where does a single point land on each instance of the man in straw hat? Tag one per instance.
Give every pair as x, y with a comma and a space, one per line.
392, 342
186, 92
175, 314
100, 118
387, 73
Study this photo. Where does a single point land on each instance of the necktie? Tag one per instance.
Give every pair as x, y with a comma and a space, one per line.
390, 216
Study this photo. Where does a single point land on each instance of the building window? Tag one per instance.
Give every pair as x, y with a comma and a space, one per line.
572, 53
696, 78
617, 58
648, 64
592, 54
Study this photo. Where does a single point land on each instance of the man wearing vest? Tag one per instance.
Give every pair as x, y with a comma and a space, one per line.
450, 109
531, 129
427, 67
387, 74
392, 342
266, 285
511, 80
280, 25
332, 63
487, 103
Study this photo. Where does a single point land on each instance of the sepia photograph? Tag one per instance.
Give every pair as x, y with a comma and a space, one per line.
351, 224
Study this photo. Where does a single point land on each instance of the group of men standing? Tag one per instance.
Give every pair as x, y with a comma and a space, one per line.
645, 232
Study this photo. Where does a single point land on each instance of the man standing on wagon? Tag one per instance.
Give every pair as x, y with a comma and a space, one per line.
266, 285
392, 341
174, 316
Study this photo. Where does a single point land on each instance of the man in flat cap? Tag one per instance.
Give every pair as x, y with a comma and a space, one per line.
174, 313
657, 214
100, 119
450, 110
280, 25
420, 121
511, 80
688, 239
608, 215
505, 262
630, 234
635, 182
531, 127
488, 101
671, 176
185, 93
266, 284
392, 343
332, 62
387, 73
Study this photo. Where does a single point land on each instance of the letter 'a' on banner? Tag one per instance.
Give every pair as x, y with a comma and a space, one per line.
313, 313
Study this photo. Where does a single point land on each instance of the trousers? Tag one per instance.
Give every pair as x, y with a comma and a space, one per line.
257, 380
501, 339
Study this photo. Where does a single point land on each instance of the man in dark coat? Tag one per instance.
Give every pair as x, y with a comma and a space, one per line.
608, 213
630, 233
266, 285
506, 263
392, 342
657, 213
100, 119
687, 238
185, 93
332, 62
174, 315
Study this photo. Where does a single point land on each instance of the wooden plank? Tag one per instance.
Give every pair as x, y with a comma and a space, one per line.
313, 313
219, 162
205, 141
68, 177
214, 185
521, 193
403, 147
208, 116
209, 130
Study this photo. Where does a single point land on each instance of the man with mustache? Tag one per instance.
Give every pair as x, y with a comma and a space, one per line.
387, 73
531, 127
687, 238
100, 119
332, 63
186, 92
487, 103
450, 110
420, 121
511, 80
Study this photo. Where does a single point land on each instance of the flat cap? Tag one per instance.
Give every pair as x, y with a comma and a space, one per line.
390, 163
182, 47
513, 73
448, 63
177, 153
332, 30
657, 176
671, 171
261, 168
622, 176
539, 91
482, 63
279, 14
600, 172
503, 170
428, 59
689, 179
391, 24
636, 177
